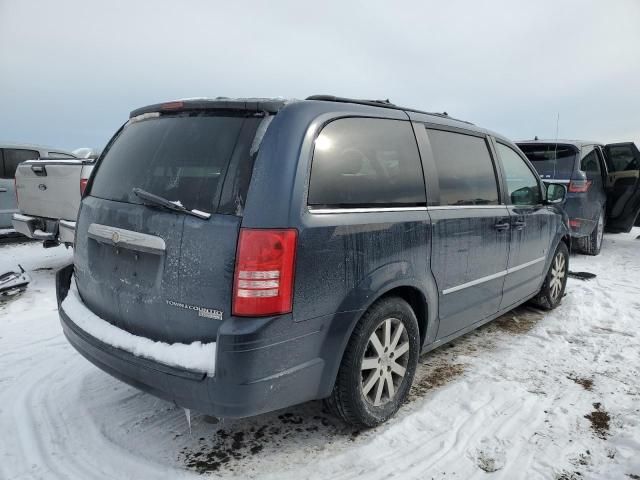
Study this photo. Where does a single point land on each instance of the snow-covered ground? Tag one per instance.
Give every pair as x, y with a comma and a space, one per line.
531, 395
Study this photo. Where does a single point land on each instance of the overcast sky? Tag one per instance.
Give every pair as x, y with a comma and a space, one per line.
70, 71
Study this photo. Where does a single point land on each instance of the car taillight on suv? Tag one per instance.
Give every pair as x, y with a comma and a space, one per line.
263, 279
83, 186
579, 186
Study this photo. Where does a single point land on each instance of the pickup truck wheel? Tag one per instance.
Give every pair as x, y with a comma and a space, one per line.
378, 365
592, 244
555, 282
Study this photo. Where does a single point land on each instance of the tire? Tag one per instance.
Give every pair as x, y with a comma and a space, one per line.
357, 396
592, 244
552, 292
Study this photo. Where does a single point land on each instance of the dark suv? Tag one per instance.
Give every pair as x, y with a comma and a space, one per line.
241, 256
602, 180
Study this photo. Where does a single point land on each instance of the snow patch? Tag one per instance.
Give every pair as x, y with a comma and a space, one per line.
196, 356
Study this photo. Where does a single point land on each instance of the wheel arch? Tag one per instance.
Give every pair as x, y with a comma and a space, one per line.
423, 302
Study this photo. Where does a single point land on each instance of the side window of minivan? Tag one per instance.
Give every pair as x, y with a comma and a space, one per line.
466, 175
522, 185
14, 156
366, 162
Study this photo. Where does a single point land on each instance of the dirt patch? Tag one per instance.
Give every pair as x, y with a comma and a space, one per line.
225, 449
585, 383
599, 419
519, 321
569, 476
435, 377
487, 464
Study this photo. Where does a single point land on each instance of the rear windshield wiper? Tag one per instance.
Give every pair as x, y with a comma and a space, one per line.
168, 204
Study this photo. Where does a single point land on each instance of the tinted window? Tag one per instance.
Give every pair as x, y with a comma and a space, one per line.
590, 162
621, 157
550, 160
1, 164
366, 161
14, 156
179, 157
465, 170
522, 185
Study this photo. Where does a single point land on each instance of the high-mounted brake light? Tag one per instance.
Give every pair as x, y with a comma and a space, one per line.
83, 186
263, 279
579, 186
172, 106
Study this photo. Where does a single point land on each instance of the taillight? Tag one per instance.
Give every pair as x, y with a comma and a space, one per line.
15, 189
263, 279
579, 186
83, 186
574, 223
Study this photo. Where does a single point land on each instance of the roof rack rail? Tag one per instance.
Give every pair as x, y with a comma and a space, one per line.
379, 103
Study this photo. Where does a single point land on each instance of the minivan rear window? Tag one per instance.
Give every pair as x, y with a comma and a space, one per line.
183, 158
366, 162
552, 161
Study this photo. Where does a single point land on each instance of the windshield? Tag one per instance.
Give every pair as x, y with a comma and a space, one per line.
182, 158
555, 162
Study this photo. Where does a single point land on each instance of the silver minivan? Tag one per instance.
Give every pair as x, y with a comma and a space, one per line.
10, 156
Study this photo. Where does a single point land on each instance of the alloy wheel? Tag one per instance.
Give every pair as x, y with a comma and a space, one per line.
384, 363
558, 273
600, 228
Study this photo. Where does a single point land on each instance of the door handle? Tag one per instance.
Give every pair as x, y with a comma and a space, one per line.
519, 224
2, 189
39, 170
500, 226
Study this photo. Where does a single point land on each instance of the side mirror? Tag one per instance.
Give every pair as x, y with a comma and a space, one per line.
556, 193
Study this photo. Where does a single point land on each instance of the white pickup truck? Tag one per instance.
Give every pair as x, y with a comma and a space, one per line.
49, 193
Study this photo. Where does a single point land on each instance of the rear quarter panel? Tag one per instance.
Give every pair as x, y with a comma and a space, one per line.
344, 261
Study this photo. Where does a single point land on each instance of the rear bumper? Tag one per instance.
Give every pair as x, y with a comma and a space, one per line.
66, 231
262, 364
62, 231
581, 227
583, 215
31, 227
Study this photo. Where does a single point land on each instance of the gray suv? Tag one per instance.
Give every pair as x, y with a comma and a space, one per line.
241, 256
603, 183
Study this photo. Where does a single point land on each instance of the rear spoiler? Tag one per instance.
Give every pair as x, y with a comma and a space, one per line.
237, 105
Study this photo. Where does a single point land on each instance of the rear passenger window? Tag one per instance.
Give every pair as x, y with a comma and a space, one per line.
15, 156
590, 162
522, 185
366, 162
465, 171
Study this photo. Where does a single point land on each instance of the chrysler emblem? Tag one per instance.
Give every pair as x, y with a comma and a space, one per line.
115, 237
